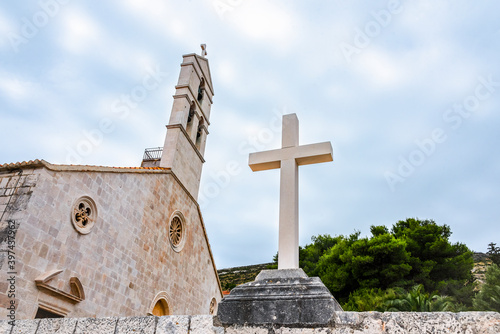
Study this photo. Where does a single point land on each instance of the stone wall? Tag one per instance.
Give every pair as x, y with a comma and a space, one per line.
343, 323
123, 263
16, 188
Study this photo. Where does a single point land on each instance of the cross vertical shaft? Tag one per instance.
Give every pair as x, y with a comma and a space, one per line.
288, 159
288, 246
288, 250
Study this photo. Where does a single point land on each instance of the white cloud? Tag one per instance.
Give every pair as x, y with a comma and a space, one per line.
6, 28
81, 33
264, 21
160, 16
15, 88
226, 72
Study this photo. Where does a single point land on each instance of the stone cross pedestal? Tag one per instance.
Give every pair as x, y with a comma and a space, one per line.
288, 159
286, 296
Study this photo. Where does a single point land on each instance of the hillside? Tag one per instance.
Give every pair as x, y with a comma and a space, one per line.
481, 263
231, 277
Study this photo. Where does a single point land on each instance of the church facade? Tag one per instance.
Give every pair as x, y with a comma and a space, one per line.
92, 241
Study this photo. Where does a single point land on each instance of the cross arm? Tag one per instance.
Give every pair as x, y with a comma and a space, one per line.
314, 153
303, 155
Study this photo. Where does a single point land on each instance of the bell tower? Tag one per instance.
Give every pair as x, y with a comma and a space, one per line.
187, 129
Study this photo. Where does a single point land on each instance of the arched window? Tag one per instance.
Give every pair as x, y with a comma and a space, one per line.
190, 117
199, 134
201, 90
213, 307
160, 306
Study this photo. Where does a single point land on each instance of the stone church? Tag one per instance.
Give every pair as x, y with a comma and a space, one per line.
92, 241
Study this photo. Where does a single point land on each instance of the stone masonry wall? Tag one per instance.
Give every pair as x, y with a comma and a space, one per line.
342, 323
16, 188
126, 259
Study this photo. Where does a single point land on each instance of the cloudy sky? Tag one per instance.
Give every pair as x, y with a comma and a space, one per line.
407, 92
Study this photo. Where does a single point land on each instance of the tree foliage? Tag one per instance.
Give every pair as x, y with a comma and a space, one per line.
488, 299
413, 253
363, 300
494, 253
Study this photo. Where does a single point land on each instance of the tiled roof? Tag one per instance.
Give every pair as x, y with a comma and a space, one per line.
22, 164
43, 163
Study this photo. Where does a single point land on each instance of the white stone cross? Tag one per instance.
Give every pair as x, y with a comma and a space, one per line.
288, 158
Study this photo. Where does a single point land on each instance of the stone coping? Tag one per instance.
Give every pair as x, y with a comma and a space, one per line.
37, 163
341, 322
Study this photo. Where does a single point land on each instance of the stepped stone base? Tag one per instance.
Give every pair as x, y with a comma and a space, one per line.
285, 297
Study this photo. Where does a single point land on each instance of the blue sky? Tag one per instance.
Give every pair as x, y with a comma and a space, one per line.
407, 92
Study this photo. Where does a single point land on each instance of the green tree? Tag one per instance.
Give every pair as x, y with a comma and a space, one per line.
310, 254
353, 263
488, 299
436, 263
494, 253
413, 252
433, 258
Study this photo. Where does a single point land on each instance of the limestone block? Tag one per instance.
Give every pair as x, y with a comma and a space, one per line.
3, 182
30, 181
59, 326
143, 325
204, 324
173, 325
285, 330
25, 327
99, 325
412, 322
5, 328
479, 322
246, 330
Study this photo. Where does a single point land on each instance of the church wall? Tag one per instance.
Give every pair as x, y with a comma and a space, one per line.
125, 260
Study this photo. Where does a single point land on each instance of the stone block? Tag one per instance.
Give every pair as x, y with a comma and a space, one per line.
25, 326
5, 328
143, 325
173, 324
59, 326
286, 330
3, 182
412, 322
479, 322
30, 181
346, 322
204, 324
94, 326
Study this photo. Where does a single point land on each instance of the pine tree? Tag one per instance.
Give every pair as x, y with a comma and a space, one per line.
494, 253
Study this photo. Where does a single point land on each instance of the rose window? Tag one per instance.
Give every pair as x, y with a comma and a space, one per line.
84, 214
176, 231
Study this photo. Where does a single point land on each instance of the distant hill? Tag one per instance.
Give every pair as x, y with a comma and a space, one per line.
231, 277
481, 263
